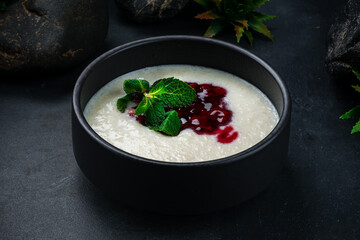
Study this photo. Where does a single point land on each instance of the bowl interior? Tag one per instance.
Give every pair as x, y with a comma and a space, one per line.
182, 50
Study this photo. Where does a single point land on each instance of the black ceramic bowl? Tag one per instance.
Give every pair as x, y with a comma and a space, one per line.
180, 188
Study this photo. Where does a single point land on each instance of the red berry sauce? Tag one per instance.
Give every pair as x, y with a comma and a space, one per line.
208, 114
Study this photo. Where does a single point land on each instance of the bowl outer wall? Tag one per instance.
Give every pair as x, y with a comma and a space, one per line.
180, 188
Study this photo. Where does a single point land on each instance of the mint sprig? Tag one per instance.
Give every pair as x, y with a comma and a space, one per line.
167, 92
355, 112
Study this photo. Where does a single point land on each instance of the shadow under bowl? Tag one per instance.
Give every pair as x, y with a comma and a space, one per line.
180, 188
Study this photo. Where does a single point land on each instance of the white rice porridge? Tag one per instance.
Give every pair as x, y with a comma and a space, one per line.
254, 117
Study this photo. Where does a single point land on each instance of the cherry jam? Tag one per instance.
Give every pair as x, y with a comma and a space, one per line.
208, 114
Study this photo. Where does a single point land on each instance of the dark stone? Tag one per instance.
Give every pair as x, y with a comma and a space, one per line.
39, 34
151, 10
344, 41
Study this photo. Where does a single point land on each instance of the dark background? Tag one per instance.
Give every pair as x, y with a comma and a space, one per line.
44, 195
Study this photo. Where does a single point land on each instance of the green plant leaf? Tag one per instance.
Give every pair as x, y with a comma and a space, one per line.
355, 112
238, 32
258, 3
177, 93
239, 14
262, 16
243, 24
155, 114
234, 10
205, 3
215, 27
260, 27
136, 85
356, 74
352, 114
356, 127
208, 15
143, 106
357, 88
249, 36
171, 125
122, 103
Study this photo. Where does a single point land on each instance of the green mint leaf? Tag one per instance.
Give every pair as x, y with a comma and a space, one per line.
177, 93
143, 106
136, 85
356, 128
171, 125
352, 114
123, 102
155, 114
157, 89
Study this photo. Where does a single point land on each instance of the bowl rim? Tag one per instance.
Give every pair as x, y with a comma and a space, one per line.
283, 120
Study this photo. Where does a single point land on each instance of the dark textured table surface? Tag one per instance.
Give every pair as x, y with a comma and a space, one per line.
44, 195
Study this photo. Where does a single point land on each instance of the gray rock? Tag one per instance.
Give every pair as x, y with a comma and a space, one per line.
344, 41
151, 10
41, 34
